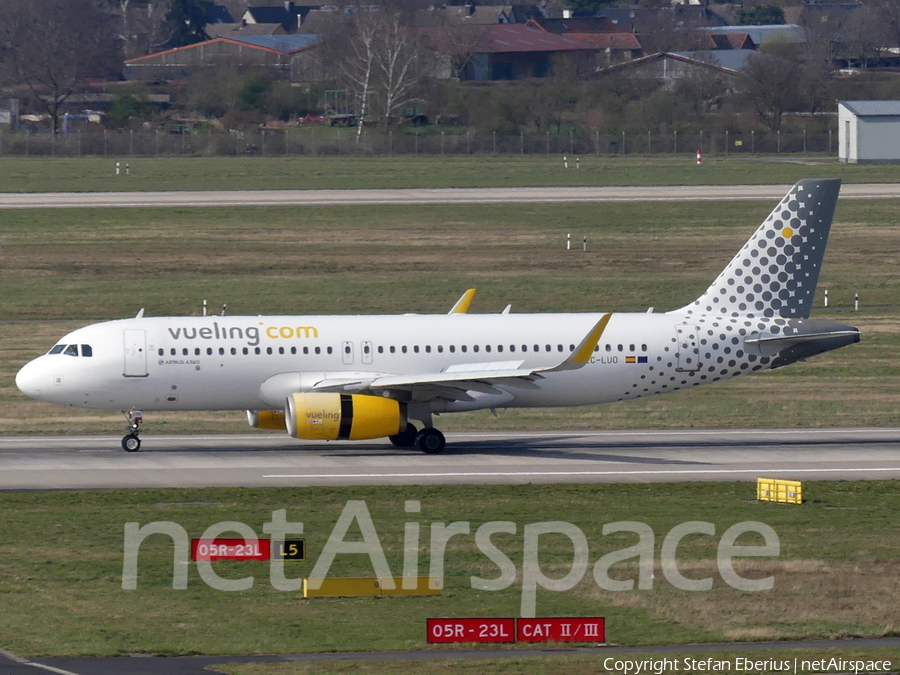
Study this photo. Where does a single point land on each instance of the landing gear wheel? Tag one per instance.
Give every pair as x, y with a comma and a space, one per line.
431, 441
131, 443
406, 438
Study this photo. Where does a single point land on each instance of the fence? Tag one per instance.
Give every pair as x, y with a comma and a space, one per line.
332, 141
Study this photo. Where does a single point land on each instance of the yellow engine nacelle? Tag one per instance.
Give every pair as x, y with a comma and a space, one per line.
333, 417
266, 419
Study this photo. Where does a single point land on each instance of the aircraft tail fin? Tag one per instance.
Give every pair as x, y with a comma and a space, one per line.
776, 272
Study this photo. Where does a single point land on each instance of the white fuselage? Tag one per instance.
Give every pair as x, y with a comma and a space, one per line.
220, 363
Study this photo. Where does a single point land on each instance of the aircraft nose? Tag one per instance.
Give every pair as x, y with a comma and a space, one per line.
33, 379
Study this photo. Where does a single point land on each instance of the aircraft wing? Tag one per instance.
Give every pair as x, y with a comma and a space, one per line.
454, 382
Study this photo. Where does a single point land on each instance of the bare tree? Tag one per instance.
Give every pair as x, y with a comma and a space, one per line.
671, 30
397, 59
358, 66
888, 13
378, 59
53, 45
861, 35
771, 88
142, 25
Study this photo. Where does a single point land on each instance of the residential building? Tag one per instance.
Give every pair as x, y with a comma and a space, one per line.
283, 56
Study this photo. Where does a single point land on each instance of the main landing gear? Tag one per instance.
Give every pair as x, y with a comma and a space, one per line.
131, 442
429, 440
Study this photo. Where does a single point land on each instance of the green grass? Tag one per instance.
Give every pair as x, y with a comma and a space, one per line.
68, 267
61, 561
67, 174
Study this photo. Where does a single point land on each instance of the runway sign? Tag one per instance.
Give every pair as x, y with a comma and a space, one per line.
561, 630
230, 549
783, 491
290, 549
556, 629
471, 630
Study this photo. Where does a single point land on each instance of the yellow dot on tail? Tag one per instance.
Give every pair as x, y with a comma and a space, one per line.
787, 233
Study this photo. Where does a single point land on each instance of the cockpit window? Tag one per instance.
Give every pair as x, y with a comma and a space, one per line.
86, 350
56, 349
71, 350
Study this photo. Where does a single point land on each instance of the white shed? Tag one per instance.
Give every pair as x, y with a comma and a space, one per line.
869, 132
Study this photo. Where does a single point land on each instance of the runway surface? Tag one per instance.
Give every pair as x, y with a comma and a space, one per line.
38, 463
424, 196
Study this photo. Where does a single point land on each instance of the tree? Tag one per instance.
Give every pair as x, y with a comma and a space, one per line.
888, 14
589, 5
772, 88
397, 64
378, 59
760, 15
187, 20
358, 67
142, 25
52, 46
860, 37
670, 29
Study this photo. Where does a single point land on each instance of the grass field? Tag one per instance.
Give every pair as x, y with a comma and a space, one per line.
66, 174
61, 556
64, 268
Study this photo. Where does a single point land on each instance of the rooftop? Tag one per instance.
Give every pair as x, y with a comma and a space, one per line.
872, 108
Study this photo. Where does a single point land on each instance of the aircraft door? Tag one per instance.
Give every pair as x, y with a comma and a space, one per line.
688, 348
135, 353
367, 352
347, 352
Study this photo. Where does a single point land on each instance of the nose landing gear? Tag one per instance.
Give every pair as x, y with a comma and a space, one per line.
131, 442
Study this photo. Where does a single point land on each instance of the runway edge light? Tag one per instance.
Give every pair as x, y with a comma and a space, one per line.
781, 491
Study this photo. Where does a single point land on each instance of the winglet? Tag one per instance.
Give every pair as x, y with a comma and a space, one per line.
583, 351
462, 305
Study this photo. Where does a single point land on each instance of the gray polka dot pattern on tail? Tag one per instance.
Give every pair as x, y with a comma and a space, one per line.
766, 290
776, 272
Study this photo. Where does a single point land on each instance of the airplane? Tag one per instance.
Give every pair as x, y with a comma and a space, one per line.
365, 377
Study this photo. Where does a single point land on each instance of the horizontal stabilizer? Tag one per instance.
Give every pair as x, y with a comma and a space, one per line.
770, 340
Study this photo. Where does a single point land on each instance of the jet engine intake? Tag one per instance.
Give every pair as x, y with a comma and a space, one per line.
338, 417
266, 419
